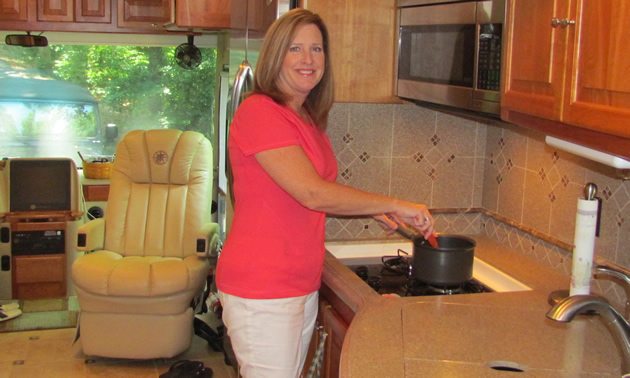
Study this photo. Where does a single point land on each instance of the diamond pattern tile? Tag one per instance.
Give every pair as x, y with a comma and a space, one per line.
434, 156
346, 157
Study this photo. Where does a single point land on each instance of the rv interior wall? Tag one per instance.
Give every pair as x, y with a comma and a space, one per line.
5, 258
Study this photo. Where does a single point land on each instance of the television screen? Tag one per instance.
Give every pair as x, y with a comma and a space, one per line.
40, 185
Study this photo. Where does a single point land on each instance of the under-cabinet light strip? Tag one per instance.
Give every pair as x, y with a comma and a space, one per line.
588, 153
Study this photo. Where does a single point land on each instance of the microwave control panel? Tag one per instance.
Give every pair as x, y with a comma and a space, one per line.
489, 62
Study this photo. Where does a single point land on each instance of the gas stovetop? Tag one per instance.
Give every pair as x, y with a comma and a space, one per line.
372, 254
392, 277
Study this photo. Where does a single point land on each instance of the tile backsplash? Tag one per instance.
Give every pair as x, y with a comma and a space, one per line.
465, 168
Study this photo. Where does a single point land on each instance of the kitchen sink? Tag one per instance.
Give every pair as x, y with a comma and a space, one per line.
365, 253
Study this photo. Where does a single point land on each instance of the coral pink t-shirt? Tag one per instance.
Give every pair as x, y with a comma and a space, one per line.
275, 248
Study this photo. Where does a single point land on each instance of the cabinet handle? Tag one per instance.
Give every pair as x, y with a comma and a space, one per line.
562, 23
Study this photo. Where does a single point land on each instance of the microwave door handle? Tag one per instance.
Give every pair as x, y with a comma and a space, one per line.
244, 80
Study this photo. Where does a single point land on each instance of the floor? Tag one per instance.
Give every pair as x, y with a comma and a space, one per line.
51, 353
42, 314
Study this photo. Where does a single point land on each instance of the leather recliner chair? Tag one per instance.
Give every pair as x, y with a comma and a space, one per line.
145, 265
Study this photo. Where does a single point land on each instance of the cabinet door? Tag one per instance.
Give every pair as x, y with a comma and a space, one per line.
93, 11
535, 59
212, 14
52, 10
151, 14
36, 277
14, 10
336, 328
262, 14
599, 87
362, 47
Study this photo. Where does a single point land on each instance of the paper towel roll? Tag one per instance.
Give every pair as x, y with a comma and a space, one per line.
584, 247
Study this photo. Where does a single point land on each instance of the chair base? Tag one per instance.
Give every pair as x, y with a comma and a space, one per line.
136, 336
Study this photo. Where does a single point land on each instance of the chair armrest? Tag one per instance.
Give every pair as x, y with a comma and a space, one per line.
91, 235
208, 240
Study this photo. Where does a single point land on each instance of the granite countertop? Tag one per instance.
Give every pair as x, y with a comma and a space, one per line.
468, 335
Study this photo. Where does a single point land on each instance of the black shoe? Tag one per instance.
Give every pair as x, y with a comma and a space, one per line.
185, 369
205, 373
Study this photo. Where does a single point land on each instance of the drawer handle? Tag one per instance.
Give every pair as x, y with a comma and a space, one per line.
555, 22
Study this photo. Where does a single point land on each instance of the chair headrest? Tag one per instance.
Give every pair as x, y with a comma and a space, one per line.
162, 156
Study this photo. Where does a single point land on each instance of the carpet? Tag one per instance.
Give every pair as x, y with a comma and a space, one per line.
40, 314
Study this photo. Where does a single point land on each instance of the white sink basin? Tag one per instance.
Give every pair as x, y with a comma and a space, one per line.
371, 253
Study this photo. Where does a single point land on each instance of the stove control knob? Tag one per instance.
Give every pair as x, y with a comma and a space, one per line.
375, 282
362, 272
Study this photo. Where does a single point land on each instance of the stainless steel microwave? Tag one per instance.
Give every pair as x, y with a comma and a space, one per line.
449, 53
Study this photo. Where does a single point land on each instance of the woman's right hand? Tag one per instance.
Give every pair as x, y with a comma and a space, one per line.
415, 215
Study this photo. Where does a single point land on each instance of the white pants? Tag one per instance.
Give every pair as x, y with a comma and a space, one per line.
270, 337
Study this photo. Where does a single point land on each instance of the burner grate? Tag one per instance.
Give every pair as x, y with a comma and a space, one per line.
393, 276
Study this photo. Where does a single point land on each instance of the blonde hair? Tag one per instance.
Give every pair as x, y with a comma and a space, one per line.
275, 46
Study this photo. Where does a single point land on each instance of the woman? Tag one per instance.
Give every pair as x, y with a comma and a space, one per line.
284, 169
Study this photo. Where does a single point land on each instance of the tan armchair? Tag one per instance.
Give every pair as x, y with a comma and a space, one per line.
145, 267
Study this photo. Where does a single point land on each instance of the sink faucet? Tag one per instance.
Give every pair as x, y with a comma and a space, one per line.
618, 327
624, 280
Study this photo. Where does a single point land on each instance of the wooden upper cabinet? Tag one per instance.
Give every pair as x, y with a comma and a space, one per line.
74, 10
34, 12
211, 14
55, 10
536, 54
93, 11
573, 70
13, 10
362, 35
598, 88
145, 13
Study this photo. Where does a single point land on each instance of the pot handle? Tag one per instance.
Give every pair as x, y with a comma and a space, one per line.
409, 234
402, 230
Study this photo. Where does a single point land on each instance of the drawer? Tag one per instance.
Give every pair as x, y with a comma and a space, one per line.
31, 269
93, 193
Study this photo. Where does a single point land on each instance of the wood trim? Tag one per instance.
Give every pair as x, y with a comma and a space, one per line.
53, 216
39, 226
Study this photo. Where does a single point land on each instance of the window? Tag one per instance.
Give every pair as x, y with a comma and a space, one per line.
59, 100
